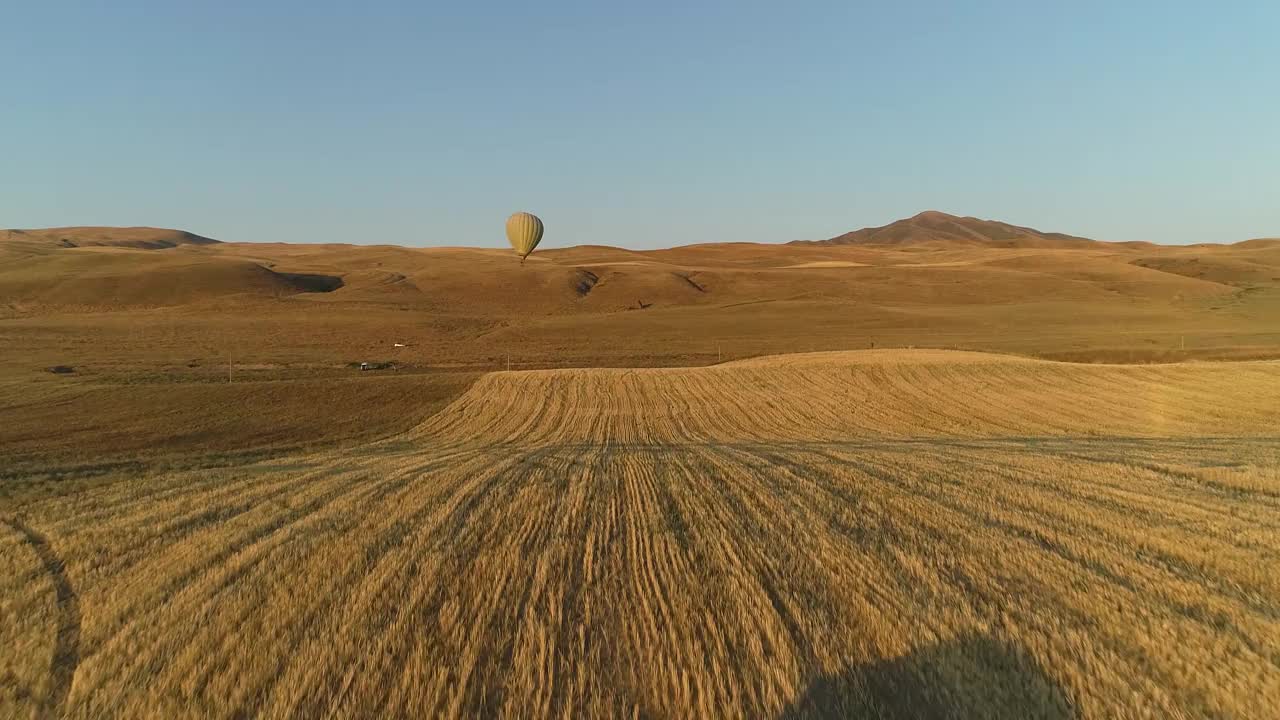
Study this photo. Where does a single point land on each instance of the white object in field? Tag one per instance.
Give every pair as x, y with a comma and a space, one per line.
399, 345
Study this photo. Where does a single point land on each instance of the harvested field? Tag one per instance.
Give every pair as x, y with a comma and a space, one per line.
880, 533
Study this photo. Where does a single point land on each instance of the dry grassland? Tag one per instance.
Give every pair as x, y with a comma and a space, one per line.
70, 427
892, 533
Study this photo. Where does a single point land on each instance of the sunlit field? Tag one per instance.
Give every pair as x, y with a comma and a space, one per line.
879, 533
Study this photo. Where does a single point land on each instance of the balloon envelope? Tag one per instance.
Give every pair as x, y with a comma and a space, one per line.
524, 231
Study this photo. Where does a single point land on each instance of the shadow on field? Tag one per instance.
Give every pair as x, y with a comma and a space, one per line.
306, 282
971, 676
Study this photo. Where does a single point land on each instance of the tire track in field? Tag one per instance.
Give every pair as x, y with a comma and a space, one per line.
390, 530
922, 506
1017, 518
194, 589
213, 560
66, 649
435, 511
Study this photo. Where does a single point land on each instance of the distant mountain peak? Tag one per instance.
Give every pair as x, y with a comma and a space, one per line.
933, 215
936, 228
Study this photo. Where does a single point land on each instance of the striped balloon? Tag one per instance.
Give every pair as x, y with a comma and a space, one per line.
524, 231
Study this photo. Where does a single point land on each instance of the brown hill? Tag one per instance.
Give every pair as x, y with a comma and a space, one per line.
111, 278
123, 316
1252, 263
938, 228
144, 238
1258, 243
1048, 295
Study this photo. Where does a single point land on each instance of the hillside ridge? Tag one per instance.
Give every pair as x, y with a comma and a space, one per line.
141, 237
933, 227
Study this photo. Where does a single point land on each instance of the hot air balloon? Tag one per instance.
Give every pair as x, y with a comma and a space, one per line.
524, 230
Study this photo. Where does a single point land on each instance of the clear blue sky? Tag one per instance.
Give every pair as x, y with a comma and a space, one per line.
641, 124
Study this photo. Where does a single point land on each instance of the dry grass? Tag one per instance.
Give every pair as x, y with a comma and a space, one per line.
898, 534
149, 328
87, 420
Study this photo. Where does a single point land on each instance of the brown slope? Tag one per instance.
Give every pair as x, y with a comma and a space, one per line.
1257, 243
492, 283
1242, 269
143, 238
937, 228
112, 278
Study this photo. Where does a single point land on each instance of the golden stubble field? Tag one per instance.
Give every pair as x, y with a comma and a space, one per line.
877, 533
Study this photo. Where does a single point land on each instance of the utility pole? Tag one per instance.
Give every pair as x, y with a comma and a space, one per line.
509, 354
717, 353
228, 367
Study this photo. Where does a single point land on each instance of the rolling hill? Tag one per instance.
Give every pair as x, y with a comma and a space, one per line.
933, 280
132, 237
106, 278
938, 228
